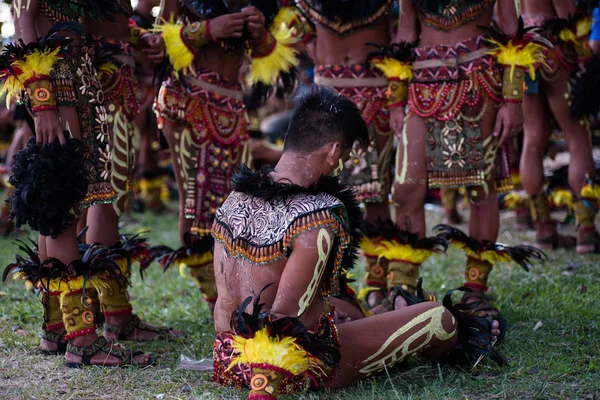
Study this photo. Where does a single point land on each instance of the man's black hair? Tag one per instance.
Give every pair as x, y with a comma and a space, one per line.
322, 116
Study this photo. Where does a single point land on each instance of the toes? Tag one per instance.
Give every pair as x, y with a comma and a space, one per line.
400, 302
495, 325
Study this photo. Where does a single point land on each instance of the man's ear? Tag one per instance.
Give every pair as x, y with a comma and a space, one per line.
334, 153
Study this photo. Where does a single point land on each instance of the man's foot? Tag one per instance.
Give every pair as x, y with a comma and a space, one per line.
548, 238
93, 350
588, 241
485, 309
53, 342
452, 217
523, 222
130, 327
375, 297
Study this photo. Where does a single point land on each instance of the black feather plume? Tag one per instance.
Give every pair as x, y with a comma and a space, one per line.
523, 255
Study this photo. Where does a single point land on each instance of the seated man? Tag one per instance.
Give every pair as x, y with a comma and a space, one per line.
286, 237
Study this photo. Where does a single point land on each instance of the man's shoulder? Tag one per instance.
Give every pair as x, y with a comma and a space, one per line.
264, 222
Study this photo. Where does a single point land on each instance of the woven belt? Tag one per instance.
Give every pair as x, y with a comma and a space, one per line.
234, 94
451, 62
378, 81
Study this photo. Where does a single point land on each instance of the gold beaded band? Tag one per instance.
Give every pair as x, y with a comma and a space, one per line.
513, 84
264, 46
197, 34
477, 273
40, 94
135, 33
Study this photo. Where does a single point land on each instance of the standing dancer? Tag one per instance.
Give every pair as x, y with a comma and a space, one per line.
58, 175
464, 90
201, 112
568, 31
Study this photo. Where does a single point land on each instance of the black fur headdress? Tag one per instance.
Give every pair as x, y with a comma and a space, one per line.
49, 180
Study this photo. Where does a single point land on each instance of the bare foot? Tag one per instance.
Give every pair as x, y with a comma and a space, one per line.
548, 238
94, 350
374, 298
485, 309
129, 327
452, 217
53, 342
588, 241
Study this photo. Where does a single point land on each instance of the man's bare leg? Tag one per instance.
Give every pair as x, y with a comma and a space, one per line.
171, 135
577, 136
536, 133
362, 346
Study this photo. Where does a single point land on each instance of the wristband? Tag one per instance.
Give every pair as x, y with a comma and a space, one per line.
197, 34
513, 84
40, 95
264, 46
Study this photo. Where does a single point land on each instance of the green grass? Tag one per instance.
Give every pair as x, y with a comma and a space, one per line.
560, 360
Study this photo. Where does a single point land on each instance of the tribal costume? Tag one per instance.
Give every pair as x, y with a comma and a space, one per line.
452, 100
119, 84
209, 110
258, 225
368, 171
265, 238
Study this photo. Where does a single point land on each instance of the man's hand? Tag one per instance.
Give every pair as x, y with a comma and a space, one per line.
48, 128
255, 22
397, 115
509, 122
227, 26
153, 46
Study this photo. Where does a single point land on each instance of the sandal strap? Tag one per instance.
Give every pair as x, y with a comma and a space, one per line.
123, 332
101, 344
53, 337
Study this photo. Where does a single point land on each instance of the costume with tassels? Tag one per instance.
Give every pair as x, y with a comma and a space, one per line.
254, 353
208, 108
197, 255
257, 228
483, 256
453, 86
367, 170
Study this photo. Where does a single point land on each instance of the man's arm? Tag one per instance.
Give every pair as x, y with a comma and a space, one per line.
408, 24
408, 31
507, 15
564, 8
301, 279
24, 20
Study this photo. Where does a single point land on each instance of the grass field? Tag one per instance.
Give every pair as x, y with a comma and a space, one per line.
552, 344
